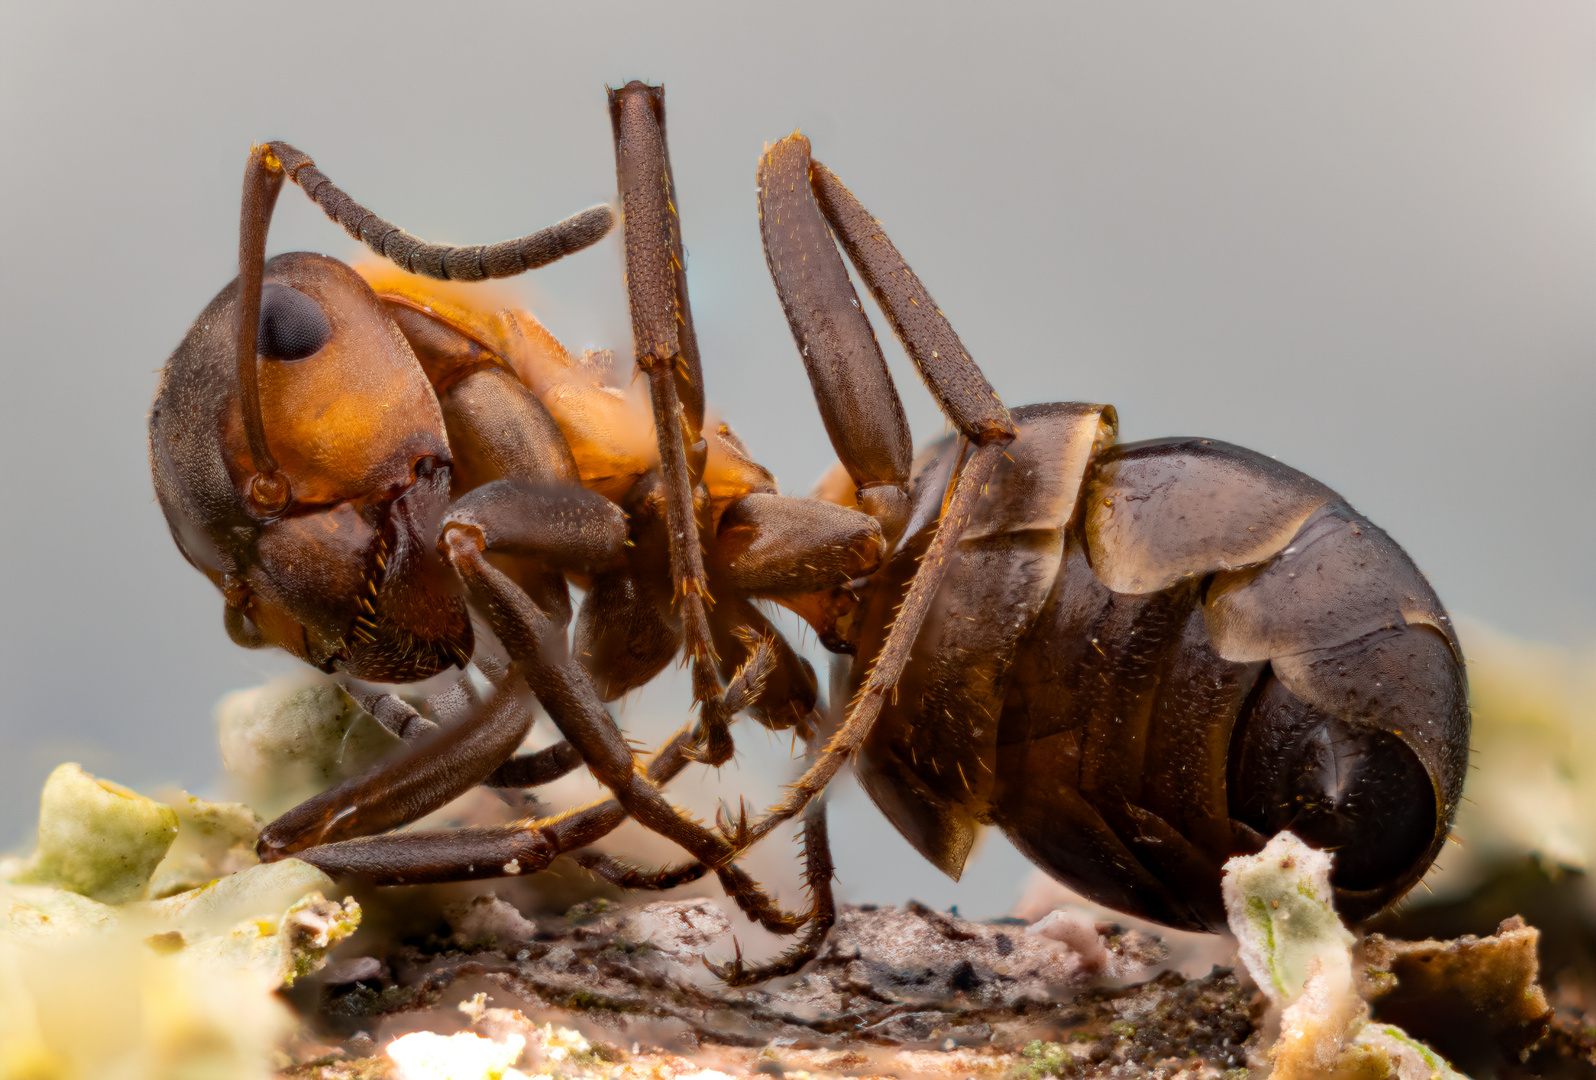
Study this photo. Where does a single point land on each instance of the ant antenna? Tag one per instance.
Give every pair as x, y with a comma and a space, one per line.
268, 165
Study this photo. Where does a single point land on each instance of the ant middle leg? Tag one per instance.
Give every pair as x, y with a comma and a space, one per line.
666, 349
818, 868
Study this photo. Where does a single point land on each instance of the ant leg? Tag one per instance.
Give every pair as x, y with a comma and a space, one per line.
771, 546
511, 781
402, 789
528, 846
667, 352
888, 666
801, 553
853, 390
566, 528
537, 768
966, 397
818, 874
627, 875
794, 191
760, 683
400, 719
482, 520
499, 851
629, 629
786, 691
656, 267
397, 716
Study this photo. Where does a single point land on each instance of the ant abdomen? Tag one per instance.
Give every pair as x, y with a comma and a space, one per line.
1203, 647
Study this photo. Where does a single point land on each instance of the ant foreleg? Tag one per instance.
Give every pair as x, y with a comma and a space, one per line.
568, 696
402, 789
566, 528
498, 851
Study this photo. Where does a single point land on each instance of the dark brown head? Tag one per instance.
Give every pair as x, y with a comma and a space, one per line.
332, 556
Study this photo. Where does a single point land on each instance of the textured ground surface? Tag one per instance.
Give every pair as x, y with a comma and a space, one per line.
896, 991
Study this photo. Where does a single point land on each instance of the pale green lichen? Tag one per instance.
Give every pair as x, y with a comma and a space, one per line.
213, 839
262, 891
273, 920
1296, 948
1284, 922
295, 736
179, 986
97, 838
1404, 1056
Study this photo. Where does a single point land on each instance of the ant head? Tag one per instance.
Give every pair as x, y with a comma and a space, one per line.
329, 551
298, 449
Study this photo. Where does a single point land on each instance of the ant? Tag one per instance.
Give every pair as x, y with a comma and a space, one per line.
1137, 660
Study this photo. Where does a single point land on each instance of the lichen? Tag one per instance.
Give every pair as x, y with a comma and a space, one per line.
1299, 952
97, 838
179, 986
1284, 919
213, 839
1039, 1058
286, 740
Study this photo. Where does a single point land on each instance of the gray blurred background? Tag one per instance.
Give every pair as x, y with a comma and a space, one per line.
1359, 237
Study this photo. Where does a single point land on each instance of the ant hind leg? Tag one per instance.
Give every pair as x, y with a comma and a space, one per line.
795, 192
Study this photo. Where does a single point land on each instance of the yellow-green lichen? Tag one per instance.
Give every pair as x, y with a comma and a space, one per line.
97, 838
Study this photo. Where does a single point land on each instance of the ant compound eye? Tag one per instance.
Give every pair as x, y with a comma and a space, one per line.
292, 325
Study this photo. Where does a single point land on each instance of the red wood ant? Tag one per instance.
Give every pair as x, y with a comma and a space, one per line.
1137, 660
